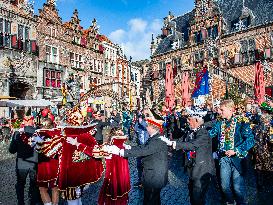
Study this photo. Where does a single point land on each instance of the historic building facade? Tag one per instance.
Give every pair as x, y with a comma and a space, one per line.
227, 36
67, 54
145, 83
18, 50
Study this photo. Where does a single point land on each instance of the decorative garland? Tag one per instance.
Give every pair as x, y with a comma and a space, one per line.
227, 134
266, 107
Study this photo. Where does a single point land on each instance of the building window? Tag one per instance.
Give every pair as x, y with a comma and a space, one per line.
215, 32
99, 66
53, 32
20, 32
76, 60
95, 66
52, 54
106, 69
247, 51
1, 25
198, 37
113, 70
7, 27
26, 33
52, 78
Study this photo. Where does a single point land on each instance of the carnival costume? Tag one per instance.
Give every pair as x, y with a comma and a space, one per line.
116, 185
47, 174
233, 135
75, 169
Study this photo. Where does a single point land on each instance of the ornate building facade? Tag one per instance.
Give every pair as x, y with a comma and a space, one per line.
227, 36
18, 49
67, 52
41, 53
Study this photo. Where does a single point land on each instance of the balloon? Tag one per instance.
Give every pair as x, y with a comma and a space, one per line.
89, 109
45, 112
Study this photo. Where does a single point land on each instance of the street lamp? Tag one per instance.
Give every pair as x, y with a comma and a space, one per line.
130, 80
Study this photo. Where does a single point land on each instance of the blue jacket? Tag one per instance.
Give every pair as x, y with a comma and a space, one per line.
243, 140
141, 131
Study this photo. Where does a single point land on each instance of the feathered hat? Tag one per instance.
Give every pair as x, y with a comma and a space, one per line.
196, 112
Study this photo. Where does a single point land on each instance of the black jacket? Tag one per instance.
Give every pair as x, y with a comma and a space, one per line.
27, 157
115, 121
99, 127
154, 155
202, 145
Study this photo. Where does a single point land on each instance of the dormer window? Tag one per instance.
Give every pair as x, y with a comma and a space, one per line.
215, 32
246, 21
198, 37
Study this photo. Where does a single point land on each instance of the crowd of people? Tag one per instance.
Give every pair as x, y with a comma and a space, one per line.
217, 140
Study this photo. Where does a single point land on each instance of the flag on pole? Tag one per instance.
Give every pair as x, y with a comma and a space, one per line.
202, 86
259, 86
185, 89
169, 92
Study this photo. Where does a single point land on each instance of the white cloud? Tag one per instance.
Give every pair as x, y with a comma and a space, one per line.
117, 36
136, 39
137, 25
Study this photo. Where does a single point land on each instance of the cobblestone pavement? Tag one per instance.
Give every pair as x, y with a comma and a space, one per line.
175, 192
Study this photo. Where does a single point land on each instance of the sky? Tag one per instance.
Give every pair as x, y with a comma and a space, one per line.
129, 23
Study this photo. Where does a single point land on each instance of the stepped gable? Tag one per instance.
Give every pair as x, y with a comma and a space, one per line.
257, 12
232, 11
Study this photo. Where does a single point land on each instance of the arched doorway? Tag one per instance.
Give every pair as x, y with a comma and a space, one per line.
19, 89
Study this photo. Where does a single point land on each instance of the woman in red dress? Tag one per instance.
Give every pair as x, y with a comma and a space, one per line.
47, 169
116, 185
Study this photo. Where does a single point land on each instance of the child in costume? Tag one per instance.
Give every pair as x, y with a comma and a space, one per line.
47, 173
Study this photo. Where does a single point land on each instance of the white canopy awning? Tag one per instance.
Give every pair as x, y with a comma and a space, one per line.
25, 103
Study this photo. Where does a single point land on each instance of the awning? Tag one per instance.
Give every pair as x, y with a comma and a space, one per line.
26, 103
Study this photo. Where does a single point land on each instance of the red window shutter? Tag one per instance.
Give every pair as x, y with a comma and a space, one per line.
101, 49
83, 41
59, 83
47, 82
14, 43
33, 46
53, 83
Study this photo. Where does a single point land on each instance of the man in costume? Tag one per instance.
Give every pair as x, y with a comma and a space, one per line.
26, 161
235, 139
154, 155
198, 147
